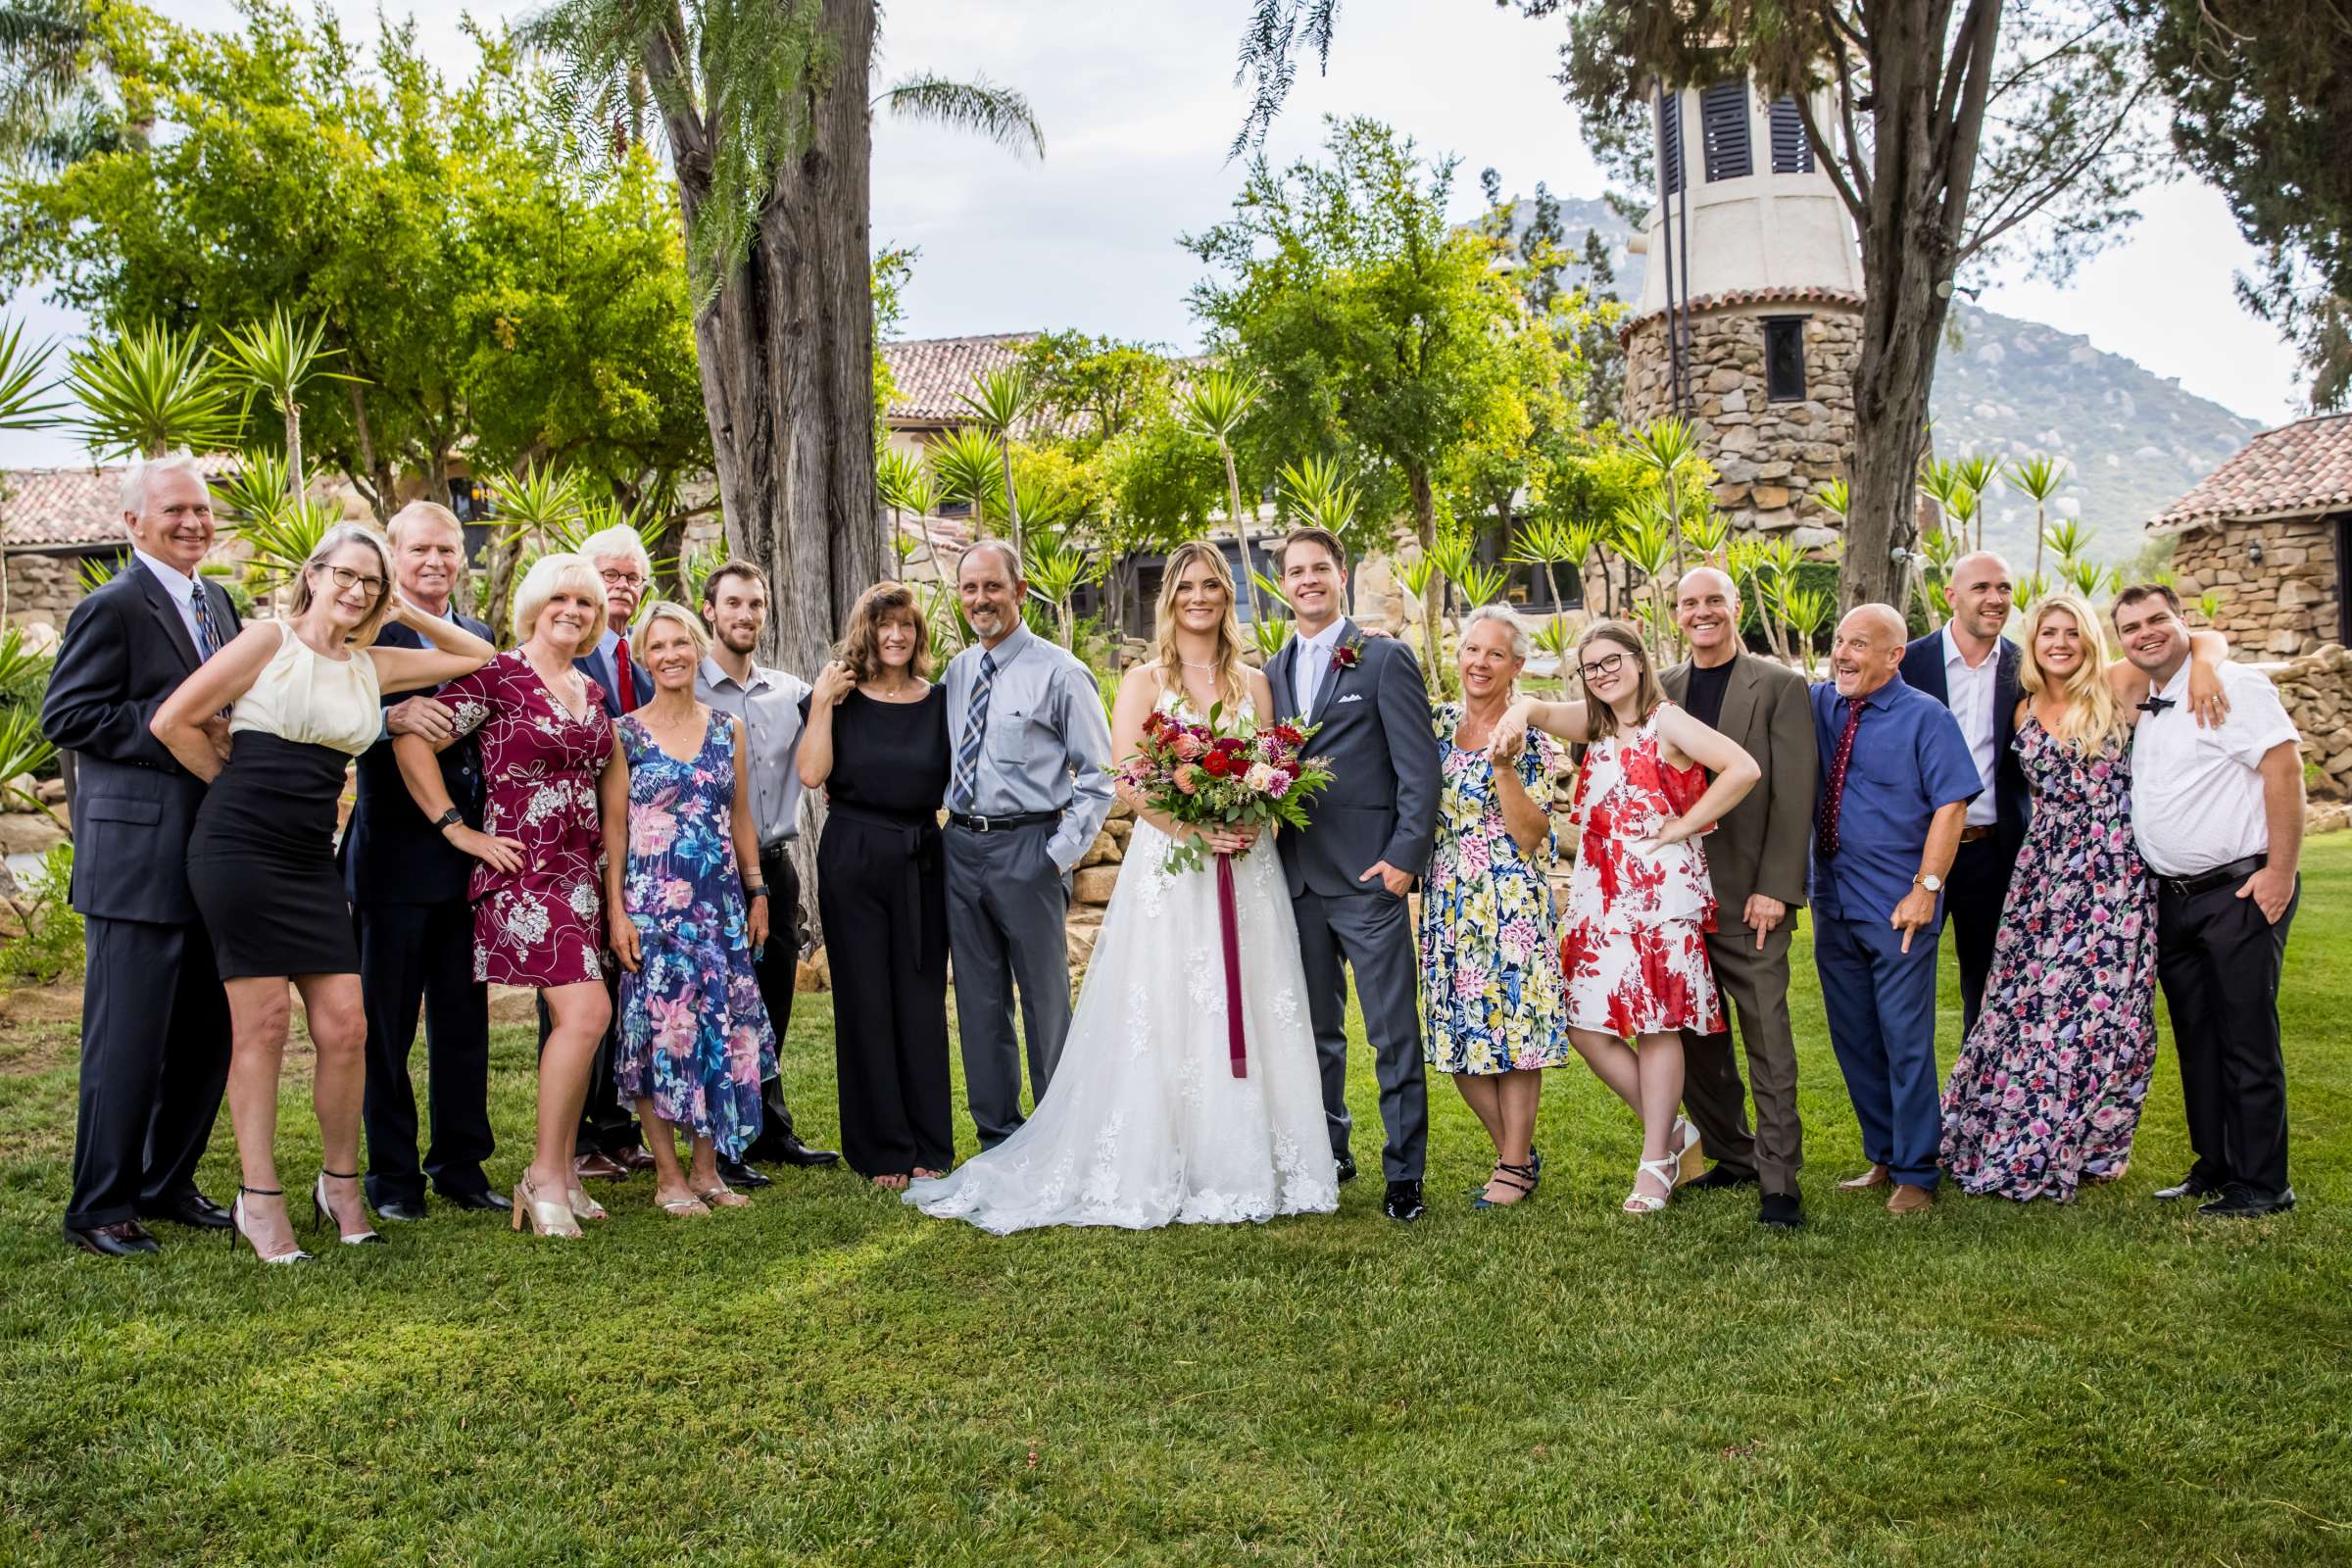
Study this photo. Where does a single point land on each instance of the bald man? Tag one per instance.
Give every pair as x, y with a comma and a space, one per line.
1757, 860
1971, 668
1896, 777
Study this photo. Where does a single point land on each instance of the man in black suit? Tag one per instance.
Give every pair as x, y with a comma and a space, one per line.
155, 1020
1367, 837
1971, 668
414, 923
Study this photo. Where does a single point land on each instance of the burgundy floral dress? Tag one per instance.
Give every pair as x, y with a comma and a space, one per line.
1635, 944
544, 925
2047, 1091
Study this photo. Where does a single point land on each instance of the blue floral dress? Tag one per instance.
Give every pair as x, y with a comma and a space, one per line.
2047, 1091
1490, 965
694, 1036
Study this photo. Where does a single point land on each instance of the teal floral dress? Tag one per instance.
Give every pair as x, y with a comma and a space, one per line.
1490, 964
694, 1035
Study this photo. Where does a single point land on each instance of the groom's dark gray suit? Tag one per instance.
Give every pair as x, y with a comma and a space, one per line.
1382, 805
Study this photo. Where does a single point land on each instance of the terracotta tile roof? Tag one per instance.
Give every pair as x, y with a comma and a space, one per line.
934, 373
2301, 467
50, 508
1732, 299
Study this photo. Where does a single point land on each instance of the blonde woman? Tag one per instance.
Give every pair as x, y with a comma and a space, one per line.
1146, 1122
304, 699
2046, 1092
538, 916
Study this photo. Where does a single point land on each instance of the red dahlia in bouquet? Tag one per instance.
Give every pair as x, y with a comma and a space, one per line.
1212, 775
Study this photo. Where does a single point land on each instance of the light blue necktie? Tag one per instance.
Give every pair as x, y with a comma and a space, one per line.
966, 788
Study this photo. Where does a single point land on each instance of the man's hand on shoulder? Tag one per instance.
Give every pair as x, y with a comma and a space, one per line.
422, 717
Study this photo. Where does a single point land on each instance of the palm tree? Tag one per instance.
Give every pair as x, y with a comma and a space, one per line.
906, 487
1668, 448
151, 390
2037, 477
56, 90
277, 356
21, 388
1005, 397
992, 112
1214, 405
1974, 472
1545, 544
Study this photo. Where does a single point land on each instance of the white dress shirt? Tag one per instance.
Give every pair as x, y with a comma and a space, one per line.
182, 589
1968, 694
1315, 662
2196, 794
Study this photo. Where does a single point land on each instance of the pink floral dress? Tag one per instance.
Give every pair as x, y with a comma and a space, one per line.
1635, 947
693, 1037
544, 924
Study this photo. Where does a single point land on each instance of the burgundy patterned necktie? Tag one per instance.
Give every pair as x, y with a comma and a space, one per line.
1834, 797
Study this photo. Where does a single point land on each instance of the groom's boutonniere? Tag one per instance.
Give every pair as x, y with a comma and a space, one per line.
1346, 655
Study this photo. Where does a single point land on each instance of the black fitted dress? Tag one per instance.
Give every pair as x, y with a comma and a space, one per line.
262, 851
882, 895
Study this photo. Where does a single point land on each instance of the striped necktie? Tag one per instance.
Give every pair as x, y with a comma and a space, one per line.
208, 635
967, 787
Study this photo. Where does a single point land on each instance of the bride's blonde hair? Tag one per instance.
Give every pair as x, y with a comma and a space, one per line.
1232, 675
2092, 715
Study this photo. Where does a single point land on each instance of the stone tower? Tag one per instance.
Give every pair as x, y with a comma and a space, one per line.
1752, 270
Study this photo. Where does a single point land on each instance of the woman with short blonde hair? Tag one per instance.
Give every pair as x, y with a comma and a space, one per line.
550, 574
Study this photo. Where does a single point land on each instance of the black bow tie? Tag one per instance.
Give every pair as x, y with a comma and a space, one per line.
2157, 705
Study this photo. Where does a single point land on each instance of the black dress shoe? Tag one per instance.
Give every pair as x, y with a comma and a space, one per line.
1347, 1167
1781, 1211
735, 1173
796, 1153
1403, 1202
485, 1199
2239, 1201
123, 1239
194, 1210
2191, 1185
1720, 1178
400, 1209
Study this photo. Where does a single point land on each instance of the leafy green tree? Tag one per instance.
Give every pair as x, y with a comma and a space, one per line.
1093, 390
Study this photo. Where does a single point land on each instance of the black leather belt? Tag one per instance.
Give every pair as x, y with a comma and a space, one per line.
2221, 876
1975, 833
918, 840
998, 824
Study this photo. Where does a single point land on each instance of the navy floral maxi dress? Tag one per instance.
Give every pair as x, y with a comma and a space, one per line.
2047, 1090
694, 1036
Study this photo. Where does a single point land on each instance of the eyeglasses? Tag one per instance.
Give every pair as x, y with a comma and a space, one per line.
1602, 668
623, 579
347, 578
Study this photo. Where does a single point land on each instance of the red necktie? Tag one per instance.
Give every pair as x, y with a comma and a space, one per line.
1834, 797
624, 682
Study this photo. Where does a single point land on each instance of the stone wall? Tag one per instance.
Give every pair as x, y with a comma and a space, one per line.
2285, 606
2317, 690
42, 589
1771, 458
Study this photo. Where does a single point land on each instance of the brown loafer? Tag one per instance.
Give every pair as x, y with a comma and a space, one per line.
639, 1157
596, 1167
1875, 1176
1910, 1200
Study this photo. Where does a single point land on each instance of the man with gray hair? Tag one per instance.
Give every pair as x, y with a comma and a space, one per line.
154, 1017
1027, 792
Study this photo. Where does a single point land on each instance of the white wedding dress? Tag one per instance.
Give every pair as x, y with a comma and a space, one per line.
1143, 1123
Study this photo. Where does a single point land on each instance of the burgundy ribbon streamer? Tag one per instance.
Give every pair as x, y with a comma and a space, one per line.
1233, 968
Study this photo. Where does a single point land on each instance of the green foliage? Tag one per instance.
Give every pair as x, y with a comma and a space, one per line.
20, 385
282, 527
1096, 389
149, 390
279, 356
969, 464
46, 946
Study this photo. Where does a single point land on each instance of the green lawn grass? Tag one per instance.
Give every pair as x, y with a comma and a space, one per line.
828, 1378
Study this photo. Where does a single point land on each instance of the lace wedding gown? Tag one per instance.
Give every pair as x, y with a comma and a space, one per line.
1143, 1123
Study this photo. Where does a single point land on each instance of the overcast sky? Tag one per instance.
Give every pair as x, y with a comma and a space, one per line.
1139, 106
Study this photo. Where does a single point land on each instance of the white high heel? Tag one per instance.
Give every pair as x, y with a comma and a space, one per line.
324, 1214
1662, 1171
236, 1226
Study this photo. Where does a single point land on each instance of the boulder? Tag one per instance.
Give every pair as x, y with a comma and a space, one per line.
815, 973
1094, 884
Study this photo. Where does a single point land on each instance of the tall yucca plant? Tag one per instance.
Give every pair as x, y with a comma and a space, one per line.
1420, 576
999, 401
906, 486
20, 407
149, 390
1546, 544
1974, 472
1645, 538
966, 462
531, 507
1055, 568
2037, 478
1669, 448
1214, 405
277, 356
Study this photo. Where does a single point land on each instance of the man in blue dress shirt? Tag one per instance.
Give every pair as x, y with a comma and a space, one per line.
1896, 776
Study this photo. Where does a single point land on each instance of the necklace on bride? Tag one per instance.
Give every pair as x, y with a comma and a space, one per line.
1189, 664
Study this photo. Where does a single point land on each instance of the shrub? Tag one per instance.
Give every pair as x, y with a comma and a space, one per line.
48, 946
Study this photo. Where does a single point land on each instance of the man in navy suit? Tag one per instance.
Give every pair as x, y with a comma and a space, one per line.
1367, 837
414, 923
153, 1018
609, 1144
1971, 668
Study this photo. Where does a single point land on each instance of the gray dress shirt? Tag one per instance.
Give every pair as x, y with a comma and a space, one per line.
770, 711
1048, 740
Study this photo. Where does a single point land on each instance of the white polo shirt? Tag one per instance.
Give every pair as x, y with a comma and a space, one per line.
2196, 795
1968, 694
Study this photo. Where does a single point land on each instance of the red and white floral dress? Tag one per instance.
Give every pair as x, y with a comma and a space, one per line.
1634, 941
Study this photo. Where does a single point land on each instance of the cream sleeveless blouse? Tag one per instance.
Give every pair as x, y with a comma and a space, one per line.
304, 696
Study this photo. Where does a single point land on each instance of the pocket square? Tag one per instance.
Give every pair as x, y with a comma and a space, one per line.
1352, 696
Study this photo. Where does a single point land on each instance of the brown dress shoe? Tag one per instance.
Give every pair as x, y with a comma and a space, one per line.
1875, 1176
1910, 1200
635, 1158
595, 1168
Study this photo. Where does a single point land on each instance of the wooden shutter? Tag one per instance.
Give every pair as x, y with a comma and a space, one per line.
1723, 129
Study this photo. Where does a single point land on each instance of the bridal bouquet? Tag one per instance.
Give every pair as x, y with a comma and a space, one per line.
1208, 775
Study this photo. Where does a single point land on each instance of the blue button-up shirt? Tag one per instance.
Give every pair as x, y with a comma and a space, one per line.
1910, 760
1048, 743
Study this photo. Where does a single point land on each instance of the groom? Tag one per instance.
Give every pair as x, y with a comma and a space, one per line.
1367, 837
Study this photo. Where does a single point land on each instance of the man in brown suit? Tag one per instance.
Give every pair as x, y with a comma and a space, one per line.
1756, 856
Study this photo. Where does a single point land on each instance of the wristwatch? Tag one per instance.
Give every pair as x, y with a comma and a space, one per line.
453, 817
1931, 881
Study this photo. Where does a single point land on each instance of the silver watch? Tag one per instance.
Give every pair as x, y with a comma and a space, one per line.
1928, 880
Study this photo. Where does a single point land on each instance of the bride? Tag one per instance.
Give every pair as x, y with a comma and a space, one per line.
1145, 1123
